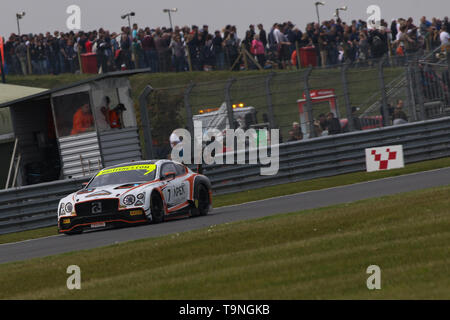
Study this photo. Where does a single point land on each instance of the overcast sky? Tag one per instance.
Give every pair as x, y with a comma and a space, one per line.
50, 15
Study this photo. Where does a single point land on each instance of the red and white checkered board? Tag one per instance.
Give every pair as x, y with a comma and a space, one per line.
384, 158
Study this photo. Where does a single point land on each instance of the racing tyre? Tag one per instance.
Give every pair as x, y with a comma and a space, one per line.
157, 208
202, 200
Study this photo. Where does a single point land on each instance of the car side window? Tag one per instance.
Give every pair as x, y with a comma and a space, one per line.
180, 169
167, 167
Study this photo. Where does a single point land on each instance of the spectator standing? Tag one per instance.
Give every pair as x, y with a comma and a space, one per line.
150, 55
363, 45
109, 51
292, 136
62, 43
204, 34
248, 40
399, 116
405, 41
89, 43
262, 35
21, 52
45, 54
100, 45
192, 47
34, 57
424, 26
251, 28
323, 45
332, 47
298, 134
257, 49
217, 43
445, 38
137, 53
434, 38
125, 50
284, 48
334, 126
378, 41
134, 33
323, 122
271, 40
231, 49
394, 29
356, 121
70, 55
177, 48
208, 57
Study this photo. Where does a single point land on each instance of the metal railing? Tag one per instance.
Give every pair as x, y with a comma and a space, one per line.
333, 155
35, 206
373, 89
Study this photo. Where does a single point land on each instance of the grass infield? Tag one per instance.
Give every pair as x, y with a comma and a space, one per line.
313, 254
272, 191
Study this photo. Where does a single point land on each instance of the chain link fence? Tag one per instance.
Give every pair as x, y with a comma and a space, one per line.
380, 93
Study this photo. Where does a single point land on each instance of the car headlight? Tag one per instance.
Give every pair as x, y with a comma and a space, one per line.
61, 209
140, 199
129, 200
68, 207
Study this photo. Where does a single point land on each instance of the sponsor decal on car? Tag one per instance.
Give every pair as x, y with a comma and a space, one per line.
148, 167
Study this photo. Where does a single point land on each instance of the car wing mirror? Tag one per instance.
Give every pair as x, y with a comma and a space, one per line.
169, 175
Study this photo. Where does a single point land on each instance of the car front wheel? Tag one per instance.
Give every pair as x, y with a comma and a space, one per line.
157, 208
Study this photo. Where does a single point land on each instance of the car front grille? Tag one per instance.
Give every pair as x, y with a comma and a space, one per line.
96, 207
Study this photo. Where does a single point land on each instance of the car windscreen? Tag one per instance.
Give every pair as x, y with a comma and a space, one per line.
124, 175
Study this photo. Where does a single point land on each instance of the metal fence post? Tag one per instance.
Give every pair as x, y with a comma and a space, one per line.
187, 106
299, 64
384, 105
312, 132
145, 121
410, 93
447, 52
419, 90
228, 102
269, 100
348, 108
189, 120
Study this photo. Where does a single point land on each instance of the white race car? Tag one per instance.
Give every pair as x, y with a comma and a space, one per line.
135, 193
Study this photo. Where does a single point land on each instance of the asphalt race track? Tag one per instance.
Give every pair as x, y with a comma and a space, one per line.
313, 199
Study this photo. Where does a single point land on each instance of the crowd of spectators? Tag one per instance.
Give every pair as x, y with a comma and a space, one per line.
329, 124
192, 48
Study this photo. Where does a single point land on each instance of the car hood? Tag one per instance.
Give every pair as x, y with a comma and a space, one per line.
110, 191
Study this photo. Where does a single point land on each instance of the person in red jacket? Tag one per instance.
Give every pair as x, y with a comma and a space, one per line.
82, 120
115, 120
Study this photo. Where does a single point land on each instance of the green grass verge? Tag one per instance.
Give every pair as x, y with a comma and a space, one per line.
273, 191
323, 183
313, 254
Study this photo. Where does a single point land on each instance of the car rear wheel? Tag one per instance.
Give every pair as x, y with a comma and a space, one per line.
202, 200
157, 208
